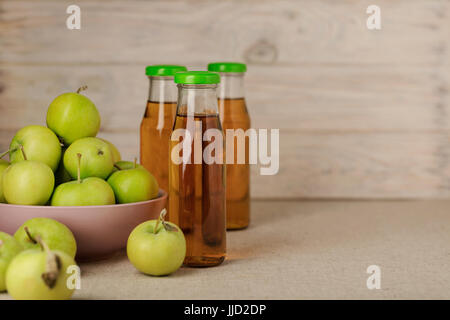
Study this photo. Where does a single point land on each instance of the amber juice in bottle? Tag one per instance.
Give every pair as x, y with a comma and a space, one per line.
157, 122
197, 190
234, 115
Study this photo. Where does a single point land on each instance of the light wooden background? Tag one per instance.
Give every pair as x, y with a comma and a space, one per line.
362, 114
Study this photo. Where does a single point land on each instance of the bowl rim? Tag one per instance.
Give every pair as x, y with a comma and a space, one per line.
161, 195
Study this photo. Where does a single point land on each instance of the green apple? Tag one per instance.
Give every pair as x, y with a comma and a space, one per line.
115, 152
83, 192
122, 165
28, 183
89, 192
73, 116
40, 274
96, 158
133, 185
156, 247
9, 248
3, 165
39, 143
61, 174
54, 233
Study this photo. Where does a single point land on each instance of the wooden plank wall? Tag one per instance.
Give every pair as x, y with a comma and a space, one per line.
362, 114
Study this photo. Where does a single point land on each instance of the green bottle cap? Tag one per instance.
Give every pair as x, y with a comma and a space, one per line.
197, 77
227, 67
161, 70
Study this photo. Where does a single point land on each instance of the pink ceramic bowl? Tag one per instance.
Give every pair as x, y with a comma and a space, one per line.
99, 230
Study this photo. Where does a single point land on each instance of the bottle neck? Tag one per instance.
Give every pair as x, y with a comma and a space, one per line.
162, 89
231, 86
197, 99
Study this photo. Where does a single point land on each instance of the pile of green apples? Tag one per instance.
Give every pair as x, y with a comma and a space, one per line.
36, 262
64, 164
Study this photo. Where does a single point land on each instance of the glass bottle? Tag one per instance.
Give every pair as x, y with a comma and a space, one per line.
197, 184
234, 115
157, 122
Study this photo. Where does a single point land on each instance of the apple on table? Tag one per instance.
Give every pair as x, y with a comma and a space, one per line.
157, 247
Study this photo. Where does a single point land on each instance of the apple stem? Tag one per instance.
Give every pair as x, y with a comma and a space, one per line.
135, 161
160, 219
53, 265
6, 152
79, 168
117, 167
82, 88
23, 153
27, 231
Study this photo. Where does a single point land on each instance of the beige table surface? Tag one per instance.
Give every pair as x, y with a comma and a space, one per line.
305, 250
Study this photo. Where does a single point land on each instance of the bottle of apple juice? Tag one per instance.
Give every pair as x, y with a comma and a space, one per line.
157, 122
197, 169
233, 115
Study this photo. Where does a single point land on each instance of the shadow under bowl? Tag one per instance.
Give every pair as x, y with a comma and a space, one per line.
99, 231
